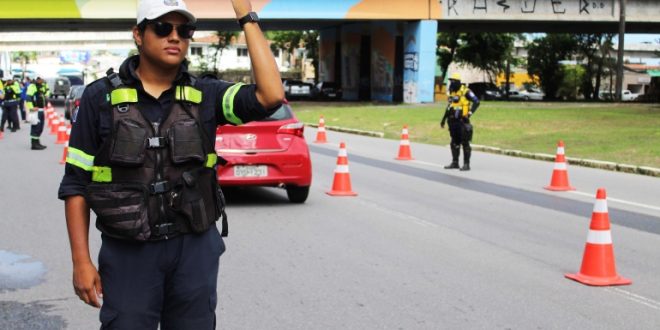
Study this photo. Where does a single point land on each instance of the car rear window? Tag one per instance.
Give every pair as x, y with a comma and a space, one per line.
283, 113
79, 92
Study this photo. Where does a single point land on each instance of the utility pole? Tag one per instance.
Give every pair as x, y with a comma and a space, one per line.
622, 32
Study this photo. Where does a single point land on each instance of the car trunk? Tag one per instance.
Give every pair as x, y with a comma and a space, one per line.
256, 137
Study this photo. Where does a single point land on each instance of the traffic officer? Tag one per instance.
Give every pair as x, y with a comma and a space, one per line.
10, 105
35, 101
141, 156
462, 105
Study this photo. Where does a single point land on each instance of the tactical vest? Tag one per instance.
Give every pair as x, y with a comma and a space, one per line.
153, 181
460, 105
40, 96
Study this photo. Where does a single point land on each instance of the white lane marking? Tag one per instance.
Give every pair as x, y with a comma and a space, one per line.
648, 302
619, 201
650, 207
413, 218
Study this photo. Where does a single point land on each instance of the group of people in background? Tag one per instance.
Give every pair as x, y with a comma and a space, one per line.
24, 100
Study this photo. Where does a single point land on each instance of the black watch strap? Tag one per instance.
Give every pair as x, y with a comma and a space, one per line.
249, 18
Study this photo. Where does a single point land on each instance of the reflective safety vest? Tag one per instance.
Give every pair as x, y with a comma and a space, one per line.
459, 104
152, 181
37, 96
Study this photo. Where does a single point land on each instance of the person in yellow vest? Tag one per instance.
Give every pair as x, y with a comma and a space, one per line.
36, 102
12, 98
462, 105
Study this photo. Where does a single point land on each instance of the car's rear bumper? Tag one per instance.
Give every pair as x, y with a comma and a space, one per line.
282, 169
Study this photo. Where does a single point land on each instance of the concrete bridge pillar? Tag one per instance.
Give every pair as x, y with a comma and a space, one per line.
419, 61
387, 61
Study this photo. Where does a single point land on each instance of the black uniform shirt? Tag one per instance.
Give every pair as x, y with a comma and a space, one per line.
93, 120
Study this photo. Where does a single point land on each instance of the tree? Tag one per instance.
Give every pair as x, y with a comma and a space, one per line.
224, 41
488, 52
544, 56
593, 49
291, 41
24, 58
447, 44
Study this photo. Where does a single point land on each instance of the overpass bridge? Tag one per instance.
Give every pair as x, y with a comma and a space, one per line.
378, 49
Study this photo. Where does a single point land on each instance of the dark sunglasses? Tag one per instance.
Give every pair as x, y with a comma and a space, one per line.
163, 29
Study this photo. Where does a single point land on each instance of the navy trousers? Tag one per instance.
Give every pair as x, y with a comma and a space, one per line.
10, 115
36, 130
171, 282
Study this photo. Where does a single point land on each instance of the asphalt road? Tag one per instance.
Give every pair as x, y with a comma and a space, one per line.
420, 247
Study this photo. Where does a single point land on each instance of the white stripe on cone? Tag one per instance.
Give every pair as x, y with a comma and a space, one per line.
405, 131
343, 153
405, 142
321, 129
600, 206
341, 169
601, 237
560, 150
561, 166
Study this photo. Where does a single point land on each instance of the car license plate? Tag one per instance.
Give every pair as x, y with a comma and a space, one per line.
332, 95
250, 171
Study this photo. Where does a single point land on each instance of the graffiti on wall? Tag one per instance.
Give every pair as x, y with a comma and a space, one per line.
382, 61
529, 9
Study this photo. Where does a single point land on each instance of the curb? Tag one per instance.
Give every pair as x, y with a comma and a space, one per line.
349, 130
609, 166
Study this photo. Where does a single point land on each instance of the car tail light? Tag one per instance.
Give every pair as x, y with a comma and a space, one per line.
295, 129
77, 103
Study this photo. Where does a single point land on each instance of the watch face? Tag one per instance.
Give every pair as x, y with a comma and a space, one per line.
253, 17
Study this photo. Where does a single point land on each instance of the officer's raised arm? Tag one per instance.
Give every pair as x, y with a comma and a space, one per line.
270, 92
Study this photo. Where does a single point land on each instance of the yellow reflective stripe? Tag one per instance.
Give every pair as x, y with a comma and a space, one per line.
78, 158
228, 104
189, 94
123, 95
211, 160
101, 174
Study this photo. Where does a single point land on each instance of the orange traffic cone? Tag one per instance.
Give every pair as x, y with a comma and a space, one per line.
598, 267
404, 146
65, 153
559, 180
61, 134
55, 125
50, 117
341, 185
320, 133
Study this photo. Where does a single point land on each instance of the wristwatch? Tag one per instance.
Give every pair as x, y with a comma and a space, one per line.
249, 18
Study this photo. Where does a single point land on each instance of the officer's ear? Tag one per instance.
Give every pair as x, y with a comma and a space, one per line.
138, 34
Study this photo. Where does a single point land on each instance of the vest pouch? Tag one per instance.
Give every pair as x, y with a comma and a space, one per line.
194, 198
129, 144
186, 144
121, 209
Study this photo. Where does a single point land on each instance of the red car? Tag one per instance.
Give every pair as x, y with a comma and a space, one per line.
269, 152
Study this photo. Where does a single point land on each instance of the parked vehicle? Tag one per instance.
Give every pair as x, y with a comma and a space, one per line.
327, 90
626, 96
297, 89
59, 86
485, 91
526, 95
72, 101
270, 152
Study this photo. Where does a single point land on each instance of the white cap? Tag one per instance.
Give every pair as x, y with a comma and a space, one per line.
152, 9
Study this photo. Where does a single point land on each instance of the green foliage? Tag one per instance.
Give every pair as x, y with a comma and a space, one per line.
603, 131
544, 55
485, 51
571, 86
291, 41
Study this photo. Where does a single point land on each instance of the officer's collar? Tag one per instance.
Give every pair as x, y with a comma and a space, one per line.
129, 76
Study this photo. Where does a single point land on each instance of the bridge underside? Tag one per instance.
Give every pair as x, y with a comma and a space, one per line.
382, 60
22, 25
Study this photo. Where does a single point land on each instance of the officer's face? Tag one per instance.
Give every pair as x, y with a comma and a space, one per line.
168, 51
